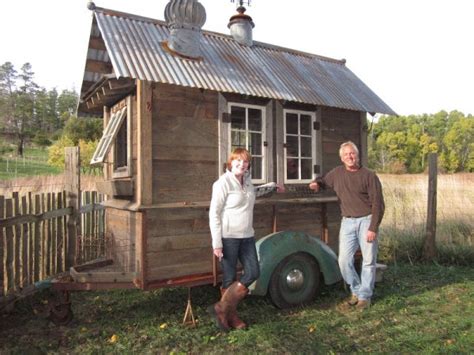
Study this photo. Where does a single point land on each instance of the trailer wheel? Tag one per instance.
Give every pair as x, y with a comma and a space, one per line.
60, 312
295, 281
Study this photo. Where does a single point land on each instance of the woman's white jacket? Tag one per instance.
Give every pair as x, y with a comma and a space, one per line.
231, 210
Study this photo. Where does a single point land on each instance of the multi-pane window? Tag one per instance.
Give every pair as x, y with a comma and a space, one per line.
116, 123
116, 138
247, 130
300, 146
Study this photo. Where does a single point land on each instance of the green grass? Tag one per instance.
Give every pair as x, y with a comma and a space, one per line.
35, 162
417, 308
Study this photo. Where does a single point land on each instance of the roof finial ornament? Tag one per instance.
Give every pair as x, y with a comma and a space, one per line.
185, 19
91, 5
242, 2
241, 25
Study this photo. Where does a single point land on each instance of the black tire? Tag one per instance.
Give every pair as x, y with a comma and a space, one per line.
60, 311
295, 281
61, 314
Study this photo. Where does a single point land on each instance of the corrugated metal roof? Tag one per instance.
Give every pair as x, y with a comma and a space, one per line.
134, 46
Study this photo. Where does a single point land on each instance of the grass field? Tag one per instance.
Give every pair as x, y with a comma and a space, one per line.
417, 308
404, 225
33, 163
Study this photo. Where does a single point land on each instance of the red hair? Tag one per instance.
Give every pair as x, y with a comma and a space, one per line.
239, 153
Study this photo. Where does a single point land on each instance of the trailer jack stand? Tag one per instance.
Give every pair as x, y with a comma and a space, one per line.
188, 315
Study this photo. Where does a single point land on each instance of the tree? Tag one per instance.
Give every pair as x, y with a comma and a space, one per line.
87, 129
27, 110
402, 143
8, 76
17, 102
459, 146
393, 150
67, 102
427, 145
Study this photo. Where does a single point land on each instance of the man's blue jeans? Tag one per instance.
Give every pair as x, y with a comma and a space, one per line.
243, 250
352, 236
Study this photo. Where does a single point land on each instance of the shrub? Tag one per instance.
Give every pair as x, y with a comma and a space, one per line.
41, 139
56, 151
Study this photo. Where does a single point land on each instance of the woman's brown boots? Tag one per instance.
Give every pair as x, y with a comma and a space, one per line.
225, 311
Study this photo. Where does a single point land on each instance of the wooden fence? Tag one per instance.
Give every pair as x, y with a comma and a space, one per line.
44, 234
35, 236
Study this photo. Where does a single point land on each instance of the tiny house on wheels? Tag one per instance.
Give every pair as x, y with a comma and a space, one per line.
176, 100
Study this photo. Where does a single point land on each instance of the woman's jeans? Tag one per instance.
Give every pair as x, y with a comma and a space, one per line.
352, 236
243, 250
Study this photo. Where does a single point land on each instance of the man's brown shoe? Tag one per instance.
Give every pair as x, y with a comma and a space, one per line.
363, 304
348, 304
352, 301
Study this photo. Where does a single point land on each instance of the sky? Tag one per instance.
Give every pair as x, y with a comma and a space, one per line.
417, 55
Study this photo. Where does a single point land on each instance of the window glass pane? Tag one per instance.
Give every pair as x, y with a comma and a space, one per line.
291, 123
256, 168
120, 146
237, 117
255, 144
292, 168
255, 119
305, 125
238, 139
292, 146
305, 146
306, 169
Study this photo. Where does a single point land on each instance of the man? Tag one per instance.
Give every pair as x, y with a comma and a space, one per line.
362, 208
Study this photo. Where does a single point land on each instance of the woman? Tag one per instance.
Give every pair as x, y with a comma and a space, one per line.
230, 220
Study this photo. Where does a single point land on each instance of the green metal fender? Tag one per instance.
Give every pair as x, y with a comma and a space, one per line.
273, 248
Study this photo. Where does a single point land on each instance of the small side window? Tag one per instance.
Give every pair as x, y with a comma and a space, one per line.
109, 136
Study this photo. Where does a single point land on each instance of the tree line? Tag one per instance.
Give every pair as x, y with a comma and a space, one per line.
31, 114
401, 144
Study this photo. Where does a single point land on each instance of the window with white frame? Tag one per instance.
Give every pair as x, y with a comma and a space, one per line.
116, 136
247, 130
300, 142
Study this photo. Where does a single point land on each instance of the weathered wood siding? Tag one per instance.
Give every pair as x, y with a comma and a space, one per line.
123, 228
178, 242
339, 126
298, 217
185, 144
333, 224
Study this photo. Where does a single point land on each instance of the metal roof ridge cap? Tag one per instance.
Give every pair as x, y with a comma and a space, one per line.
111, 12
276, 47
295, 51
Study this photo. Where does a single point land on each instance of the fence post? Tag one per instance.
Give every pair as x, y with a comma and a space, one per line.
72, 171
3, 244
429, 248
